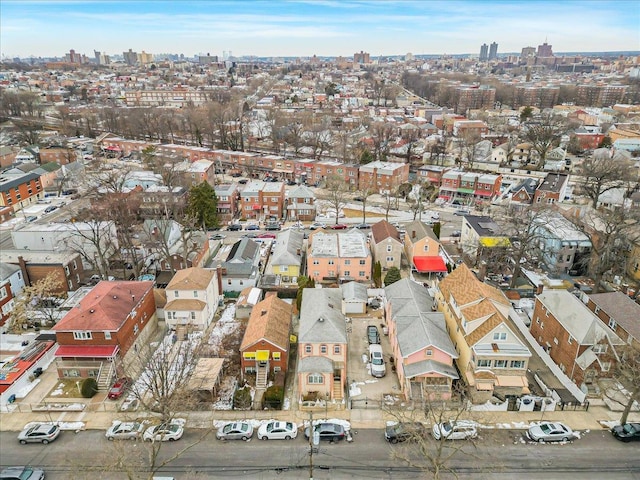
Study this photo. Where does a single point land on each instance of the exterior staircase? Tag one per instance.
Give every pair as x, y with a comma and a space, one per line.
337, 390
261, 377
105, 376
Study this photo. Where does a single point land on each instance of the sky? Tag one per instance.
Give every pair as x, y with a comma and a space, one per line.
50, 28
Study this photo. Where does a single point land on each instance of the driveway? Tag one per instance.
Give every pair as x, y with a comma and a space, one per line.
366, 386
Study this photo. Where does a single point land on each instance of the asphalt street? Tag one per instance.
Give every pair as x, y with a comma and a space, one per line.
495, 454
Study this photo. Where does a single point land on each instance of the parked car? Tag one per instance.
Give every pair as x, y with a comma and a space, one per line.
217, 236
339, 226
291, 183
272, 226
316, 225
31, 218
456, 233
627, 432
455, 430
363, 226
267, 235
235, 227
165, 432
124, 430
376, 359
277, 431
50, 208
373, 335
39, 433
22, 473
331, 432
403, 431
118, 388
462, 211
252, 226
550, 432
235, 431
250, 235
243, 181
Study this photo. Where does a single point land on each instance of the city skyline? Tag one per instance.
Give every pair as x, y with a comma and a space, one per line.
305, 28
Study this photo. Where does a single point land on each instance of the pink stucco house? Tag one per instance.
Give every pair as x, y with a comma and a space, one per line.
339, 257
422, 349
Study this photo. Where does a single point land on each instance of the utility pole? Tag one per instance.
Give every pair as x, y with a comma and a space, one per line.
310, 445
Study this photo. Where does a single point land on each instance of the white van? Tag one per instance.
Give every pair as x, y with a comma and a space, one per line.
376, 360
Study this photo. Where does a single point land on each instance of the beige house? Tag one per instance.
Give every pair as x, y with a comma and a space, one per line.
422, 248
192, 298
492, 357
386, 245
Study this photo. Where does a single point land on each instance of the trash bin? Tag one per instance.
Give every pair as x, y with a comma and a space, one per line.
12, 398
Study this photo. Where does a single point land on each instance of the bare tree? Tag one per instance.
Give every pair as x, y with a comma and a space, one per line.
39, 302
95, 241
544, 133
601, 173
365, 190
627, 372
337, 193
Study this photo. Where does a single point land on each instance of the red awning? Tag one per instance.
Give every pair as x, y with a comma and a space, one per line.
114, 149
483, 193
89, 351
256, 207
430, 264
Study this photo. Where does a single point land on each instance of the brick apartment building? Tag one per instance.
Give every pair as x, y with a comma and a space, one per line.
552, 189
383, 176
19, 190
468, 187
261, 200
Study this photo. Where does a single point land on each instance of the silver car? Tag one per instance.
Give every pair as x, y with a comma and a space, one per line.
22, 473
235, 431
39, 433
124, 430
550, 432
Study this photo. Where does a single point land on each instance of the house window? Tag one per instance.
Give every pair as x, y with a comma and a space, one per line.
107, 335
612, 324
195, 294
315, 378
336, 349
276, 355
500, 336
600, 348
176, 293
82, 335
331, 262
316, 262
500, 363
362, 262
389, 248
606, 366
389, 259
426, 248
323, 349
193, 315
70, 373
277, 369
517, 363
308, 348
361, 274
347, 273
347, 262
429, 352
135, 329
483, 363
251, 369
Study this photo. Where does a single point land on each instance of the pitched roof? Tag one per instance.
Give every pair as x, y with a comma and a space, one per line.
465, 287
354, 291
321, 318
302, 191
576, 318
105, 307
194, 278
417, 324
383, 230
417, 230
185, 304
270, 320
287, 248
622, 309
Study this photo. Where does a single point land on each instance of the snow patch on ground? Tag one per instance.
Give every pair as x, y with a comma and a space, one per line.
226, 325
68, 426
354, 390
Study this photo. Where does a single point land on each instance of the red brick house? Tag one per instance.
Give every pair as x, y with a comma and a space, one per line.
574, 337
265, 345
105, 330
19, 191
620, 313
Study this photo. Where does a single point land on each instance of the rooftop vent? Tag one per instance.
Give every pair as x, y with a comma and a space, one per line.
91, 311
321, 319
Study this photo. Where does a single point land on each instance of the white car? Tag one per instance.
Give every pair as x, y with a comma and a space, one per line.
165, 432
550, 432
124, 430
455, 430
277, 431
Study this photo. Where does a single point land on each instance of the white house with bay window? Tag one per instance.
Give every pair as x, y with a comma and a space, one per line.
192, 298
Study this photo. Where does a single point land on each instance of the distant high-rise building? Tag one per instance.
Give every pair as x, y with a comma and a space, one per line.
483, 52
101, 58
545, 50
493, 51
145, 58
207, 59
361, 57
130, 57
527, 52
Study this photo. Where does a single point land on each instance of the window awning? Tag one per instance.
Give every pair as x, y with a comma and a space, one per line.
89, 351
434, 263
512, 381
256, 207
465, 190
483, 193
494, 242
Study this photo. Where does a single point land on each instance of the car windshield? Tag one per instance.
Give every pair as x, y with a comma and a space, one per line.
446, 427
26, 473
377, 361
628, 428
546, 428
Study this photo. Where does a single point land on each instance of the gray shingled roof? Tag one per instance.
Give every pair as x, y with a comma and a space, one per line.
622, 309
421, 230
321, 318
429, 366
7, 269
287, 249
354, 291
417, 325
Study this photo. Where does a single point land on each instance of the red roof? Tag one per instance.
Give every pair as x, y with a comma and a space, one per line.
88, 351
434, 263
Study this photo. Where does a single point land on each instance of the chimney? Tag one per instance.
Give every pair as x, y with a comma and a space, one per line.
219, 275
133, 299
23, 267
298, 252
539, 288
413, 234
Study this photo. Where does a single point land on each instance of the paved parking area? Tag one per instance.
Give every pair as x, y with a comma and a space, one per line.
357, 368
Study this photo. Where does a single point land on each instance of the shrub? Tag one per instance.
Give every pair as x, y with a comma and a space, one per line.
89, 387
273, 397
242, 398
